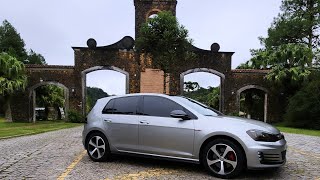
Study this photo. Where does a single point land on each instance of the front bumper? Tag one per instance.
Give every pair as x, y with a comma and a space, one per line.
266, 154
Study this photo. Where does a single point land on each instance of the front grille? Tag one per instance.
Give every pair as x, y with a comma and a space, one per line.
270, 158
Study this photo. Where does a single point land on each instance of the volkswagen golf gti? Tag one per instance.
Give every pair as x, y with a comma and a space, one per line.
179, 128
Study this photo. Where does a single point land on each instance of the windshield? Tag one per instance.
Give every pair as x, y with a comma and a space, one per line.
197, 106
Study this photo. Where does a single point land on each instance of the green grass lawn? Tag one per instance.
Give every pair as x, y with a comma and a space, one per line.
299, 131
9, 129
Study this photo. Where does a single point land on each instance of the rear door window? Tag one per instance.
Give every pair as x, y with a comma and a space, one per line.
126, 105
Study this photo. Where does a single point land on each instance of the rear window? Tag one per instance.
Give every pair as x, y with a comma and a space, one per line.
108, 109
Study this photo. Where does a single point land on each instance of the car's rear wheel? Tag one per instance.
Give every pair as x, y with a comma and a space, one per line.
223, 158
98, 147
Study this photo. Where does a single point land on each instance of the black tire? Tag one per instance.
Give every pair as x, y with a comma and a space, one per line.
233, 162
100, 154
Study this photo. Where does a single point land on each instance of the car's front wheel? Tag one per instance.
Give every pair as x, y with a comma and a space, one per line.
98, 147
223, 158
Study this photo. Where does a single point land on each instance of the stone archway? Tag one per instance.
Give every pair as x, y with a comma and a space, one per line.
211, 71
97, 68
239, 91
32, 98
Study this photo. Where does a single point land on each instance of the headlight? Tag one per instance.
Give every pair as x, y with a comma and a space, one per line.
259, 135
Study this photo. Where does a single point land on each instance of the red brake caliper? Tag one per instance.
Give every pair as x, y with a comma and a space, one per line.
231, 156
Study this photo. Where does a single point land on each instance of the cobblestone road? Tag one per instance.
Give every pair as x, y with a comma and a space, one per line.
60, 153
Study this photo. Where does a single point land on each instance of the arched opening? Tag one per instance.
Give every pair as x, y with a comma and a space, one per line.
102, 81
204, 85
48, 101
152, 13
252, 102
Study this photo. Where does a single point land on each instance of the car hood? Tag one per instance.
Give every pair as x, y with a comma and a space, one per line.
248, 123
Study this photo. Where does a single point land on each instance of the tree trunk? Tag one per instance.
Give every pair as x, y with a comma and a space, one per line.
7, 109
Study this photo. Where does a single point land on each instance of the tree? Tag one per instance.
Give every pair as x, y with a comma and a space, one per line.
12, 79
303, 110
11, 42
93, 94
287, 61
166, 42
294, 31
35, 58
298, 23
191, 86
210, 96
291, 49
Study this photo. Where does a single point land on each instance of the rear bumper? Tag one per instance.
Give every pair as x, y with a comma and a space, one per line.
84, 135
266, 154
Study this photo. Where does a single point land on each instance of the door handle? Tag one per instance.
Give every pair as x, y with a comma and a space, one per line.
108, 120
144, 122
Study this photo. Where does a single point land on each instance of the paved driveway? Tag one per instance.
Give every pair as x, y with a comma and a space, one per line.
60, 154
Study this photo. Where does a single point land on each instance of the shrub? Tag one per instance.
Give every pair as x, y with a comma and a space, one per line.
75, 117
303, 110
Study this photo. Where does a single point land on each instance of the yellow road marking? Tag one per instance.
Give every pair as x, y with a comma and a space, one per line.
72, 165
145, 174
304, 152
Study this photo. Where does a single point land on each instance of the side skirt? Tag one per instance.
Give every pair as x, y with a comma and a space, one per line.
155, 156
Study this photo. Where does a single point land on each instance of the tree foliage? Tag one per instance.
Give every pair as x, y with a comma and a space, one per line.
252, 103
293, 36
298, 23
93, 94
291, 49
35, 58
191, 86
303, 110
165, 41
12, 43
287, 61
12, 79
208, 96
50, 96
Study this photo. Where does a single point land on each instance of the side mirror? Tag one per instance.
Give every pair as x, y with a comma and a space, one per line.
179, 114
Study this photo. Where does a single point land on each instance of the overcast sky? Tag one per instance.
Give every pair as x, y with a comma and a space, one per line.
51, 28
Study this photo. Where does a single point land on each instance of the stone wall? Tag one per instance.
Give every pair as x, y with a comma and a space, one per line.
22, 102
141, 77
145, 8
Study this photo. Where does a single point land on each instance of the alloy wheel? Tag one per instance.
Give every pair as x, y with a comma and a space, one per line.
96, 147
222, 159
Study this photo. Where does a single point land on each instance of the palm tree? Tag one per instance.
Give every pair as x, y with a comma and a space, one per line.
12, 79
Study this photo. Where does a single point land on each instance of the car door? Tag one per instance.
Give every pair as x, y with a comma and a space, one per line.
161, 134
121, 123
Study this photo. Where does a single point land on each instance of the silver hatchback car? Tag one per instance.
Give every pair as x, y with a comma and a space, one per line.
179, 128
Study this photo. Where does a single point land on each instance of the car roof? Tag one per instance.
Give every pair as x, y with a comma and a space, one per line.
133, 94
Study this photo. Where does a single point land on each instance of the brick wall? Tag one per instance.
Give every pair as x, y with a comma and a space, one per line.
152, 81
